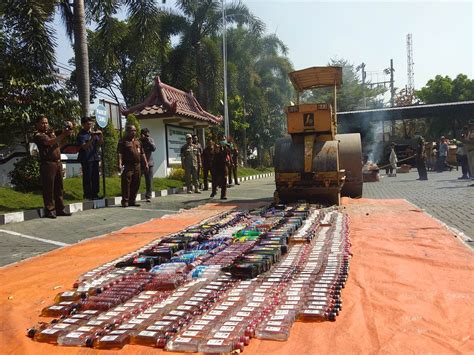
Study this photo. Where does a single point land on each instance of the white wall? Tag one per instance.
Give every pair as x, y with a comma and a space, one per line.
157, 132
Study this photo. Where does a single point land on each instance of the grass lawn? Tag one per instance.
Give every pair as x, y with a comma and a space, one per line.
11, 200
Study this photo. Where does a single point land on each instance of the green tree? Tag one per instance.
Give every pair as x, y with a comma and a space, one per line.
444, 89
133, 120
28, 84
196, 62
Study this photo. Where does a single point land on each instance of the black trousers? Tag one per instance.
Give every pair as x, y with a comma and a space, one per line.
206, 170
421, 167
51, 174
148, 180
219, 179
90, 179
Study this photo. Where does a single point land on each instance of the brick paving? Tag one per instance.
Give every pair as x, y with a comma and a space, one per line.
443, 196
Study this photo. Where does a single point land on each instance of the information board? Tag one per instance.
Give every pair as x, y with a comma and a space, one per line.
175, 139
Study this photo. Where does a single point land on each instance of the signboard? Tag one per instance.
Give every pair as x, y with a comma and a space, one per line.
175, 139
101, 116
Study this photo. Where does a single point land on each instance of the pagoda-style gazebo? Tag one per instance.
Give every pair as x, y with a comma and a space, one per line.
170, 114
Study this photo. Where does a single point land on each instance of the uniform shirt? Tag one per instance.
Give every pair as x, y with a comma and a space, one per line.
87, 154
47, 153
131, 151
189, 154
420, 152
207, 156
148, 147
443, 150
221, 155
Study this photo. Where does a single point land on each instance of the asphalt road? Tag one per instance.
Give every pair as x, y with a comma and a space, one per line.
24, 240
443, 196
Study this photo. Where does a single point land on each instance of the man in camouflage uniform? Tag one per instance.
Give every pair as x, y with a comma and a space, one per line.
190, 160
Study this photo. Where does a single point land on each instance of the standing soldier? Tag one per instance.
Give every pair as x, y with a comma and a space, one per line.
421, 159
207, 158
130, 156
149, 147
200, 150
219, 167
190, 161
51, 170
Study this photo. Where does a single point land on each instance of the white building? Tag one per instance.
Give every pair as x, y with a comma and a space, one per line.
170, 114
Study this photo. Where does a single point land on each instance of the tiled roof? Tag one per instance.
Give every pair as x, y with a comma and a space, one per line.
165, 100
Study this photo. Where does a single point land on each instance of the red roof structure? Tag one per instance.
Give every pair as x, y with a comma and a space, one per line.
167, 101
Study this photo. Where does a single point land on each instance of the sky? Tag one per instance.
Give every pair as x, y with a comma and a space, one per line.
372, 32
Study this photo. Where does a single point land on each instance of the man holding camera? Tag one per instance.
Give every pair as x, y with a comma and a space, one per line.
149, 147
51, 170
89, 142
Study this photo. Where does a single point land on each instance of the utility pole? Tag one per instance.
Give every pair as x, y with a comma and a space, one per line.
224, 55
392, 95
361, 67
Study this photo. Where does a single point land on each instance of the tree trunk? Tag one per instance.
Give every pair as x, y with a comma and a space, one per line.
81, 56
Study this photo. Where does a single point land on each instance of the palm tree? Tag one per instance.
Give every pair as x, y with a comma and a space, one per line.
74, 17
196, 61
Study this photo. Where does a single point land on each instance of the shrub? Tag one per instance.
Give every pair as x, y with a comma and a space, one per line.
26, 174
133, 120
111, 137
176, 174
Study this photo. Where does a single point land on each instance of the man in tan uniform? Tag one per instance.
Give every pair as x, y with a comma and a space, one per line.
130, 155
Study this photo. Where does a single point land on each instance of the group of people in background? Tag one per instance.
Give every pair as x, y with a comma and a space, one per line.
435, 159
219, 160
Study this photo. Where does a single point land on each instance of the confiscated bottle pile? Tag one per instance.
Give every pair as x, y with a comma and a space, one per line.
212, 287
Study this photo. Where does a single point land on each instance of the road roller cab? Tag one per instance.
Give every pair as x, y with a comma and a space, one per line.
316, 163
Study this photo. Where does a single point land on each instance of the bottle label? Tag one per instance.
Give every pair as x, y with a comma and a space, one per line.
196, 327
215, 313
190, 333
215, 342
221, 335
84, 329
109, 338
236, 319
156, 327
136, 321
203, 322
274, 323
226, 328
49, 331
242, 314
208, 317
182, 340
146, 333
61, 326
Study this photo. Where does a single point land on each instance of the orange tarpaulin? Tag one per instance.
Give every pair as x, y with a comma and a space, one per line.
410, 286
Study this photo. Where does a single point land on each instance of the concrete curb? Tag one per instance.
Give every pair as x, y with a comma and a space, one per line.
22, 216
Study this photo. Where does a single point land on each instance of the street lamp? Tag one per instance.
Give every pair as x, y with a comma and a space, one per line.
224, 55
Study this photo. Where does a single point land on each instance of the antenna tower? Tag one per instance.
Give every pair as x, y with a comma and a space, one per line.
411, 74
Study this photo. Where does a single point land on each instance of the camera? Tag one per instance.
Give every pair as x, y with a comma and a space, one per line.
67, 126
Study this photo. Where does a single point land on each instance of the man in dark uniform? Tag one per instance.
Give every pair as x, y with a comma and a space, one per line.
219, 167
51, 170
130, 155
234, 161
421, 159
89, 142
149, 147
207, 158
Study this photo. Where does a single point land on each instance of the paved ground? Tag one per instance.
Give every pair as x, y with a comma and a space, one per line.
443, 196
51, 234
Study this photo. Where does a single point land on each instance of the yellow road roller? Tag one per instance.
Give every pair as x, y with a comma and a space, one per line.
315, 163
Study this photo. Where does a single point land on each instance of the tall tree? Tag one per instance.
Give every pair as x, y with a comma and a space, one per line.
28, 82
444, 89
74, 18
196, 60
